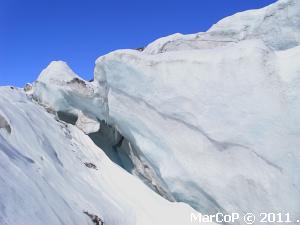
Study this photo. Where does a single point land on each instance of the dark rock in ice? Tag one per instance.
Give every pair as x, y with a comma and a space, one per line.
95, 219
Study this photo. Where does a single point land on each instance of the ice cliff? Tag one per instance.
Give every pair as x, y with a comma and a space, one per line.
210, 120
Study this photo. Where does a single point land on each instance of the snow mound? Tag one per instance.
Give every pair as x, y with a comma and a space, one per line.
57, 71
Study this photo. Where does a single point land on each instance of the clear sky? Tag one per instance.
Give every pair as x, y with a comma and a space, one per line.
35, 32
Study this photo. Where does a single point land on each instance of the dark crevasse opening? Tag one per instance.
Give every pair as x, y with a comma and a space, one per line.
114, 145
67, 117
124, 154
108, 139
128, 156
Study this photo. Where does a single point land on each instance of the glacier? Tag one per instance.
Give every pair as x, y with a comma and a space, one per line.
205, 122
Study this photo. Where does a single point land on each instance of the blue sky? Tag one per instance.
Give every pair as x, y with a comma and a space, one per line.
35, 32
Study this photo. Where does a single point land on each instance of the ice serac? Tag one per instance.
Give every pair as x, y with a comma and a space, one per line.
51, 173
59, 88
209, 119
219, 126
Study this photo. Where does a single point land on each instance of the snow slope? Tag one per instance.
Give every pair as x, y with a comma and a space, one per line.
44, 179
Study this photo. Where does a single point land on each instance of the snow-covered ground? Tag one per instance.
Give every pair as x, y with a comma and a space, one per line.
209, 119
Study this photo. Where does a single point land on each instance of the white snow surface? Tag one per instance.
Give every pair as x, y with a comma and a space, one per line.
215, 114
57, 71
44, 180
